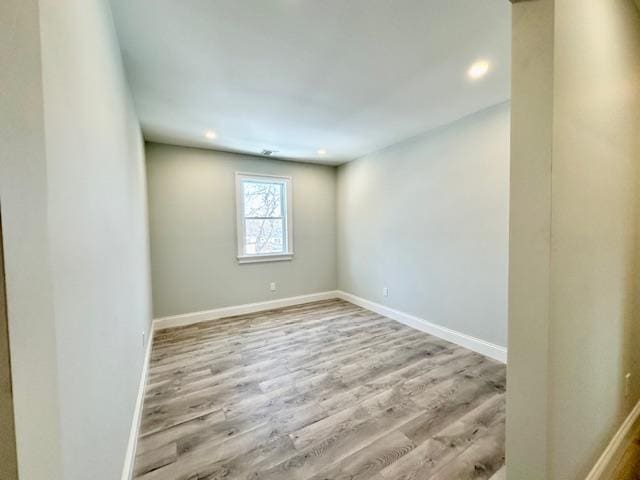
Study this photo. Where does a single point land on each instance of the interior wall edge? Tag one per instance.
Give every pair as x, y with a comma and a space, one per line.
23, 193
527, 435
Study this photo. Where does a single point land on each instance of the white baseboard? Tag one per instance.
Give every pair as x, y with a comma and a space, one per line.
481, 346
130, 455
602, 470
472, 343
206, 315
500, 474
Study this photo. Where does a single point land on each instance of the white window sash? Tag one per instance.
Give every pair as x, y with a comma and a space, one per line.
287, 219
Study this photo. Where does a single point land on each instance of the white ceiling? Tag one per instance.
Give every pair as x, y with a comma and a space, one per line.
296, 76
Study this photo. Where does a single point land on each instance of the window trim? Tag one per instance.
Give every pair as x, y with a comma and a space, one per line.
241, 256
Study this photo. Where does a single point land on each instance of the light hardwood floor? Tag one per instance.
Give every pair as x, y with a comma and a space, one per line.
322, 391
628, 468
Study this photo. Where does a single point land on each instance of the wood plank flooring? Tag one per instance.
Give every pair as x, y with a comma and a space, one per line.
322, 391
628, 468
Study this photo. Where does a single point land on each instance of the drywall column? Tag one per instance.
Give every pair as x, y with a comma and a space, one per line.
529, 247
23, 199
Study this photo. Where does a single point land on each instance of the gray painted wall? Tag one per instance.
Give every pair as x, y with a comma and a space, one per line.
595, 257
193, 231
529, 233
98, 237
74, 215
428, 218
574, 320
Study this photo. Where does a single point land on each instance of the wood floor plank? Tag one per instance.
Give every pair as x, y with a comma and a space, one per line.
438, 451
153, 459
369, 461
322, 391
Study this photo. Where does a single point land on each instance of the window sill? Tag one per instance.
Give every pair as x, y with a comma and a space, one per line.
280, 257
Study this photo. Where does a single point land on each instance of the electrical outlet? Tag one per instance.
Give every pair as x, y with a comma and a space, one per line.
627, 384
273, 286
385, 291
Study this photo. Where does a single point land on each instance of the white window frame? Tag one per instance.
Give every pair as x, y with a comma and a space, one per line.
242, 256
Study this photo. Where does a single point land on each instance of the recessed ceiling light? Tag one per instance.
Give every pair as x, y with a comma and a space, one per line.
478, 69
211, 135
322, 151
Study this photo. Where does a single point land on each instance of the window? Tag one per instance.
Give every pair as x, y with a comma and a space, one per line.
263, 204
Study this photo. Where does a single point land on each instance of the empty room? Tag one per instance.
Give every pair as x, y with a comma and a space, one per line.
319, 240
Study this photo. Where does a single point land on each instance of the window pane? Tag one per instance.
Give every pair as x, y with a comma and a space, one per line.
262, 199
264, 236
